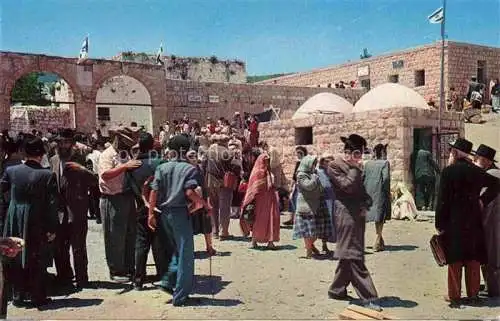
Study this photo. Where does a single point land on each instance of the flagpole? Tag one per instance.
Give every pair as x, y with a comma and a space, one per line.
441, 91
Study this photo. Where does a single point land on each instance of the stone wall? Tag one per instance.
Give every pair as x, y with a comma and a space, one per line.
193, 68
390, 126
27, 118
199, 100
461, 62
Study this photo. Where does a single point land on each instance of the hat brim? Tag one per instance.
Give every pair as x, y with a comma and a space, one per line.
453, 146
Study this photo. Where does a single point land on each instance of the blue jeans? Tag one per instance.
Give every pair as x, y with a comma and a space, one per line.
182, 262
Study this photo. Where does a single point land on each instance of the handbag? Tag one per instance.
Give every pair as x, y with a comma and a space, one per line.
230, 181
249, 213
437, 249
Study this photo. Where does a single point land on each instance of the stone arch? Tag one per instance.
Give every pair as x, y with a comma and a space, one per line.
131, 99
66, 76
44, 65
149, 85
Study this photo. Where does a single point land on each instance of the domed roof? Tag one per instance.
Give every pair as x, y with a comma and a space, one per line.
323, 103
390, 96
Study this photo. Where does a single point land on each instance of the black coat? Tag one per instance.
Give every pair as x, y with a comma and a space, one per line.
458, 212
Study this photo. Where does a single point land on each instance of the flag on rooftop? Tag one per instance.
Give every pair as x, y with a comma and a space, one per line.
84, 51
437, 16
159, 55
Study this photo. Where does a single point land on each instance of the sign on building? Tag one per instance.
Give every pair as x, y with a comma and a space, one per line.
398, 64
194, 98
364, 71
213, 99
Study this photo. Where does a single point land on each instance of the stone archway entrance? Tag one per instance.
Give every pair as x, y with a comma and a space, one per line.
122, 100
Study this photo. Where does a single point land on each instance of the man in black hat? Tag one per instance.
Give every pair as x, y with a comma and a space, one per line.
34, 205
484, 158
76, 185
173, 187
458, 219
351, 205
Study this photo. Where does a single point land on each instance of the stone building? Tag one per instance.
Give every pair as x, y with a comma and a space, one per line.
417, 68
405, 124
193, 68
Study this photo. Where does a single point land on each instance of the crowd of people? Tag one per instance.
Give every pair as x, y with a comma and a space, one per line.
191, 179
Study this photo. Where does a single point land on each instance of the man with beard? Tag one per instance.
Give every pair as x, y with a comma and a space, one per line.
459, 221
485, 159
118, 205
75, 183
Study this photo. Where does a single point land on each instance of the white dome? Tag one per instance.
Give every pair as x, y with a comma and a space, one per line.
323, 103
390, 96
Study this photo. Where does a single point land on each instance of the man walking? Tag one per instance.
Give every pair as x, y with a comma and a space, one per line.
459, 221
424, 169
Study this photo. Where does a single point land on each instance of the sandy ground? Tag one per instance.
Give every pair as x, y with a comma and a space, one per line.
259, 284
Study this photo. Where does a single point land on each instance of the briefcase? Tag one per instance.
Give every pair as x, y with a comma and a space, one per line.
437, 249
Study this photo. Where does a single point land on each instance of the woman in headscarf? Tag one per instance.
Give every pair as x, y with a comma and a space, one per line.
264, 220
377, 181
404, 206
329, 196
311, 215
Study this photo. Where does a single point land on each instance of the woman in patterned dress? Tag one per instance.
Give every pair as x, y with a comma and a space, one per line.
312, 220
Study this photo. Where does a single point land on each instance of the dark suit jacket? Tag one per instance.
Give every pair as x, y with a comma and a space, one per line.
74, 188
458, 212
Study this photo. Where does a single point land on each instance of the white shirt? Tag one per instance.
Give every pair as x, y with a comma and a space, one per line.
94, 158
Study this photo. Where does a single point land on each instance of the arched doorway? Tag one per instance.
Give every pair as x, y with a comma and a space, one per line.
122, 100
41, 101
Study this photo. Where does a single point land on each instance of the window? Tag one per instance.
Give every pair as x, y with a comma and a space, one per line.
304, 136
365, 83
419, 78
394, 79
103, 113
481, 71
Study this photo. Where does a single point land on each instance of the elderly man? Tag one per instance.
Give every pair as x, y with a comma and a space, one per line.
118, 206
459, 221
76, 185
485, 159
219, 164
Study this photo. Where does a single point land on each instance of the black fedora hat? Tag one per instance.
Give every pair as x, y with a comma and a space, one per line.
353, 142
34, 147
486, 152
462, 145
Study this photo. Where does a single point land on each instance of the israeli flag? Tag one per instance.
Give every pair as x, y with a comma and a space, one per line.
159, 55
437, 16
84, 51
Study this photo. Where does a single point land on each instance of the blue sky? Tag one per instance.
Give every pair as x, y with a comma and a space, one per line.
272, 36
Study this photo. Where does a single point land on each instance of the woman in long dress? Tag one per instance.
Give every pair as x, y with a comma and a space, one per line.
312, 220
404, 206
377, 181
264, 220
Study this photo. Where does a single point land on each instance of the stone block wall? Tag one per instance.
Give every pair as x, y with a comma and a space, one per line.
390, 126
199, 100
463, 63
27, 118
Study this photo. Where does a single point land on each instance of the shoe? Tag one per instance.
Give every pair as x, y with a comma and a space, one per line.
98, 221
42, 303
342, 297
137, 286
186, 301
19, 303
326, 250
211, 252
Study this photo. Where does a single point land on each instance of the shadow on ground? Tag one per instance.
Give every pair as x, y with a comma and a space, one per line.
209, 285
202, 255
397, 248
395, 302
71, 303
218, 302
